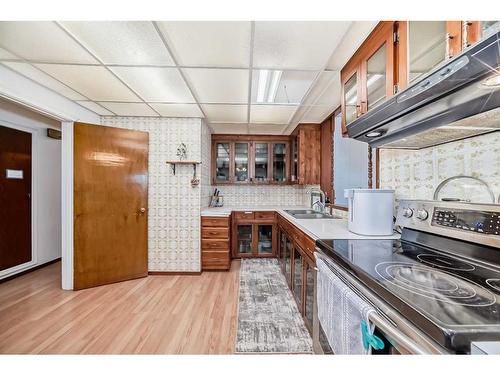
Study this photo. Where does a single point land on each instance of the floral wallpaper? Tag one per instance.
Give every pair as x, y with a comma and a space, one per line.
416, 174
174, 206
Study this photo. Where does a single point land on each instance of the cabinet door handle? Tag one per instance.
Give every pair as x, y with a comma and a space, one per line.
248, 212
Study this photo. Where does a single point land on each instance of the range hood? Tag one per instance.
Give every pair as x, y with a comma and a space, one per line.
458, 99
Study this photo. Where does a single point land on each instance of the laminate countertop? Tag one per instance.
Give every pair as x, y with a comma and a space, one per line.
314, 228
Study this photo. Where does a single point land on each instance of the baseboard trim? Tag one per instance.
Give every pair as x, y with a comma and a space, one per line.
8, 278
173, 273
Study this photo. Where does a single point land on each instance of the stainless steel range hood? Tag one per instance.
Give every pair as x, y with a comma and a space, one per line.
457, 100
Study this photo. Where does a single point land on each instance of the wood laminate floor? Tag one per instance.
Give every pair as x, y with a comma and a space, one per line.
157, 314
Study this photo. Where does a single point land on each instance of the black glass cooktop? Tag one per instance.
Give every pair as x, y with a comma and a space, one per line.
452, 299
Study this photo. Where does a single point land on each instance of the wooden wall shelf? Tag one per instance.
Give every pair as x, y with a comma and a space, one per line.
173, 163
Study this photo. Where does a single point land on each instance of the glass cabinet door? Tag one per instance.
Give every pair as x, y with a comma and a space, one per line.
261, 162
279, 162
265, 239
241, 162
244, 239
427, 46
351, 99
309, 294
297, 277
222, 162
295, 159
376, 78
288, 261
282, 249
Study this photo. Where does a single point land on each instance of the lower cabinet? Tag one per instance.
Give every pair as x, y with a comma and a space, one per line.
298, 276
309, 286
254, 234
215, 243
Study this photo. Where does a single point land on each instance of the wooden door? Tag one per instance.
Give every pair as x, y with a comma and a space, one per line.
15, 197
110, 205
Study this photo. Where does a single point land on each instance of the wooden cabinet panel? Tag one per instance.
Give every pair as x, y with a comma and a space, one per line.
308, 154
214, 232
244, 215
326, 169
215, 244
212, 221
265, 215
215, 260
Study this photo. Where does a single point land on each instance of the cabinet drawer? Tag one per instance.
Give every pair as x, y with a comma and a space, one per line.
306, 243
215, 260
213, 232
245, 215
219, 245
265, 215
211, 221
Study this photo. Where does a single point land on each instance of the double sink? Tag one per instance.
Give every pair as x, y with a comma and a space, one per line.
310, 214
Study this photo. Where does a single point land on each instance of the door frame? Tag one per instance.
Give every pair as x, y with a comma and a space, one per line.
34, 198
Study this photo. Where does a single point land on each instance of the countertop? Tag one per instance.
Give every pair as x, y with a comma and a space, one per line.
314, 228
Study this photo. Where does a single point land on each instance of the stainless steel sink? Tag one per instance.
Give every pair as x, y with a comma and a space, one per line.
309, 214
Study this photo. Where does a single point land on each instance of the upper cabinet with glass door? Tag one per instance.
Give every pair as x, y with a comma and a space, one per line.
250, 160
476, 30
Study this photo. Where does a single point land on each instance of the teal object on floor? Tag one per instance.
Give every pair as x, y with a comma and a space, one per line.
370, 339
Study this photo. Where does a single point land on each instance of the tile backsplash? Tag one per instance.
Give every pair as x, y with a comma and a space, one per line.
289, 195
415, 174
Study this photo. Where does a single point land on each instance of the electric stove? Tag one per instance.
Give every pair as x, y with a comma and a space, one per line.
442, 277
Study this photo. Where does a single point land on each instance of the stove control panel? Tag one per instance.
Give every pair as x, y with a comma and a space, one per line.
473, 222
467, 220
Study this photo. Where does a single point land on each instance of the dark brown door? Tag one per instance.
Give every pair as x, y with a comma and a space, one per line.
110, 205
15, 197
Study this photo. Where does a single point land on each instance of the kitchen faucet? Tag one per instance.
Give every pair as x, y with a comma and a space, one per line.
321, 203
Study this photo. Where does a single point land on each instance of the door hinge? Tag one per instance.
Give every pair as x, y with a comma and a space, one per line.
395, 36
395, 89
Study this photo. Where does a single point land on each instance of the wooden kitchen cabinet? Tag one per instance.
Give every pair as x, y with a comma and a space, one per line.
298, 275
255, 159
309, 290
473, 31
215, 243
254, 234
306, 144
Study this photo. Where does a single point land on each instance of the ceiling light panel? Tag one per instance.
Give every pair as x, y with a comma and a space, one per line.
219, 85
129, 109
209, 43
280, 87
94, 107
156, 84
296, 45
177, 110
42, 41
271, 114
43, 79
225, 113
95, 82
122, 42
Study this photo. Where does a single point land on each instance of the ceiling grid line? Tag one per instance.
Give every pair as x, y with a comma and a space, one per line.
174, 59
22, 60
106, 67
250, 73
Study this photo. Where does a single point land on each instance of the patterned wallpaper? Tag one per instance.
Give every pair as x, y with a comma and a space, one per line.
174, 206
416, 174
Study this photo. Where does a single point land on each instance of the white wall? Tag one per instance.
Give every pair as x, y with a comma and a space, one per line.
46, 192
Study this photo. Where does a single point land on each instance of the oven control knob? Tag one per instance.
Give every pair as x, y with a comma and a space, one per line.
422, 214
407, 212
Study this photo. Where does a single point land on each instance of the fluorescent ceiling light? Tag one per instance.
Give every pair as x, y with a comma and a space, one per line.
273, 88
267, 86
262, 85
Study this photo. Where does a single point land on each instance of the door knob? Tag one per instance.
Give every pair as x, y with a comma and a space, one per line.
142, 210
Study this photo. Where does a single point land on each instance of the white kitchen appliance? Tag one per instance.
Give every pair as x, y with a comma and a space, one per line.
370, 211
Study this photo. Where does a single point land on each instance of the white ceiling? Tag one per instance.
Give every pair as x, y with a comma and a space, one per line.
190, 69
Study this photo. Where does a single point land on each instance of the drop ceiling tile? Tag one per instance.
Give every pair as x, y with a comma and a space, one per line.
291, 86
43, 79
317, 114
209, 43
323, 82
129, 109
100, 110
6, 55
177, 110
272, 114
219, 85
95, 82
42, 40
223, 128
156, 84
121, 42
266, 128
225, 113
297, 44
